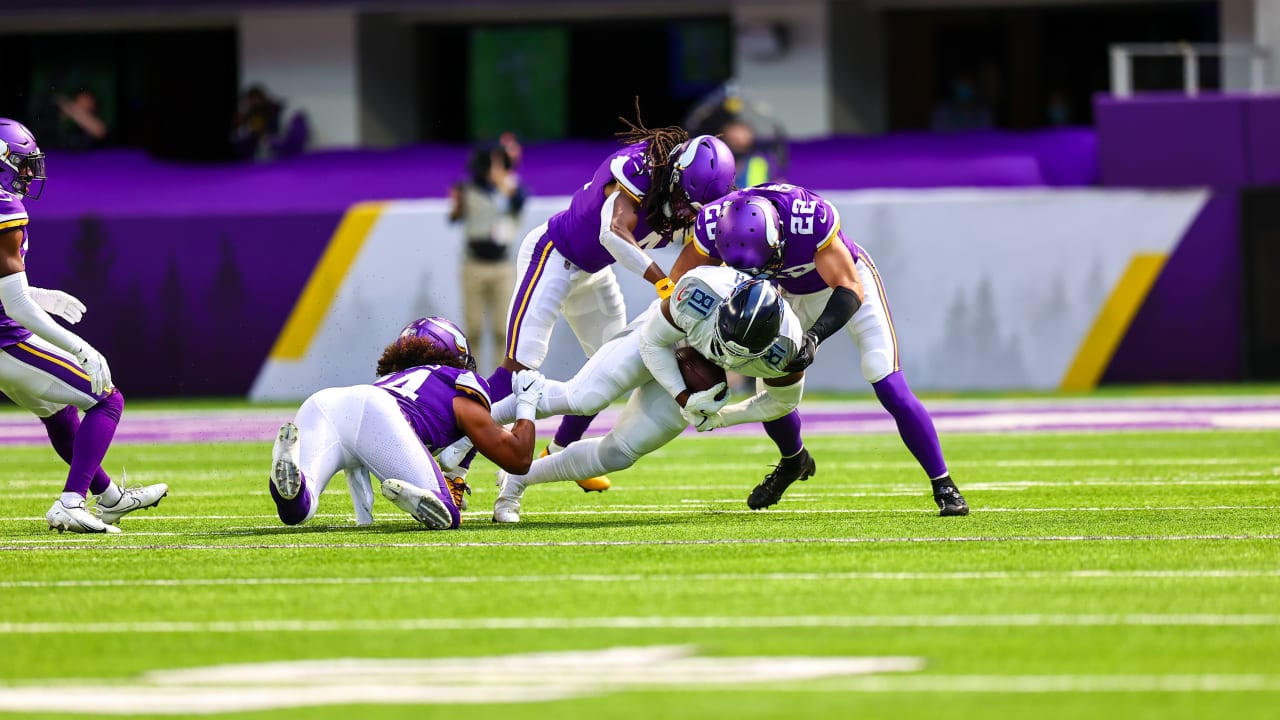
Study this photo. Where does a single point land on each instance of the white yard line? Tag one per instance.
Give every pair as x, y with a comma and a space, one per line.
659, 578
104, 543
688, 507
646, 622
1035, 684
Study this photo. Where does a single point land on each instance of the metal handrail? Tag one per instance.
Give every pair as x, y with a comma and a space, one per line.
1123, 53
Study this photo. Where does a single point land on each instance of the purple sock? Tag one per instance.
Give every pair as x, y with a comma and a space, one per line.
62, 427
572, 428
785, 433
292, 512
914, 424
499, 384
91, 442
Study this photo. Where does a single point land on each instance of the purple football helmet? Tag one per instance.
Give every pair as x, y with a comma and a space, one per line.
21, 162
444, 335
749, 236
702, 169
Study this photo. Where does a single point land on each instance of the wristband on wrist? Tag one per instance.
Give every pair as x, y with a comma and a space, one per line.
664, 288
526, 411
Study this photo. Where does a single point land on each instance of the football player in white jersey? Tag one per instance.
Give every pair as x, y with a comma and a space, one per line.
735, 322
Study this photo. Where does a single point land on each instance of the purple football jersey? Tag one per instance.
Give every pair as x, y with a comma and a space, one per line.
575, 231
12, 215
809, 224
426, 394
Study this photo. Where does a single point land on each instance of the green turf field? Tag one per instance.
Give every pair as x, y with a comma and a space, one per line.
1126, 575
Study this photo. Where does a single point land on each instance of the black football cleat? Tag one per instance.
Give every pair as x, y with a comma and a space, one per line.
797, 467
950, 502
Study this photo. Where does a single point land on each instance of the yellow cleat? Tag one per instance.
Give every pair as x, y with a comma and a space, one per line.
595, 484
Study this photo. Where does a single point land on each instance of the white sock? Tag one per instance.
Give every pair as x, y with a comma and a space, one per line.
553, 448
70, 499
579, 461
110, 496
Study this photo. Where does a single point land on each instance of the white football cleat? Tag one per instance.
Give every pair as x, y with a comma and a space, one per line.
285, 474
506, 508
423, 505
134, 498
76, 519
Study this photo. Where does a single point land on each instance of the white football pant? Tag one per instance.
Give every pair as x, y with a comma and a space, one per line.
360, 430
548, 286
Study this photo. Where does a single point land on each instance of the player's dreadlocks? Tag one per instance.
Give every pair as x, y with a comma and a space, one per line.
414, 352
657, 154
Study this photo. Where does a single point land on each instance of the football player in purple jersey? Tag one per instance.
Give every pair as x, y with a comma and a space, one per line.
50, 370
427, 396
792, 235
638, 199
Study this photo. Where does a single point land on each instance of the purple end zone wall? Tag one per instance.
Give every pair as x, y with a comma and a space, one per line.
186, 305
1191, 326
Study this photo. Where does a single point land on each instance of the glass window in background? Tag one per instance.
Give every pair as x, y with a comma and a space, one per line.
73, 94
517, 82
697, 57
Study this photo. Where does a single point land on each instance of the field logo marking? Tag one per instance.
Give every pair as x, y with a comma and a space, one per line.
532, 677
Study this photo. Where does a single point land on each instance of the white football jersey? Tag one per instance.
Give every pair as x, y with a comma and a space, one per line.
693, 307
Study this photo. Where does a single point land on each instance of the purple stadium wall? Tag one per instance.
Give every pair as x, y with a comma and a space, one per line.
181, 305
189, 272
1225, 142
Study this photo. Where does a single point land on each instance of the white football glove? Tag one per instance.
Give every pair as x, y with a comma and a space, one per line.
95, 366
702, 422
528, 386
449, 457
55, 302
705, 402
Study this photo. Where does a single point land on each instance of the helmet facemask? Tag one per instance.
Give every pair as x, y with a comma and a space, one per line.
763, 317
28, 171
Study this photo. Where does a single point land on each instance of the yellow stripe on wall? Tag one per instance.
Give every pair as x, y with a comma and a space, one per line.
322, 287
1113, 322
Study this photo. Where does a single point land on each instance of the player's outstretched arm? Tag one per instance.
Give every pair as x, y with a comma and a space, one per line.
779, 397
512, 451
836, 266
658, 337
618, 219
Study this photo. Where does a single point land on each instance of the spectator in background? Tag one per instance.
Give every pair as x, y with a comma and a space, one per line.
509, 143
256, 121
1057, 111
963, 109
79, 125
753, 167
488, 204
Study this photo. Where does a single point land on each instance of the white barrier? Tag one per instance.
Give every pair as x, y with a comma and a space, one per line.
989, 289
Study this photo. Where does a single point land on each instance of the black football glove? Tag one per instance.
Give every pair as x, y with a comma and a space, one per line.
804, 355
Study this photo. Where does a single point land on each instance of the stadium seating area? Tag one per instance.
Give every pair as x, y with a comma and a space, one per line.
333, 180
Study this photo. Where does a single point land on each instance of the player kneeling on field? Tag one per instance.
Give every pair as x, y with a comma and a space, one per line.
427, 396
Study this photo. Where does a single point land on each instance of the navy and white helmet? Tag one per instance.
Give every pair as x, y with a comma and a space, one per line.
444, 335
749, 320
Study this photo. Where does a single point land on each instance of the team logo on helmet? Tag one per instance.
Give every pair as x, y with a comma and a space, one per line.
702, 170
442, 334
